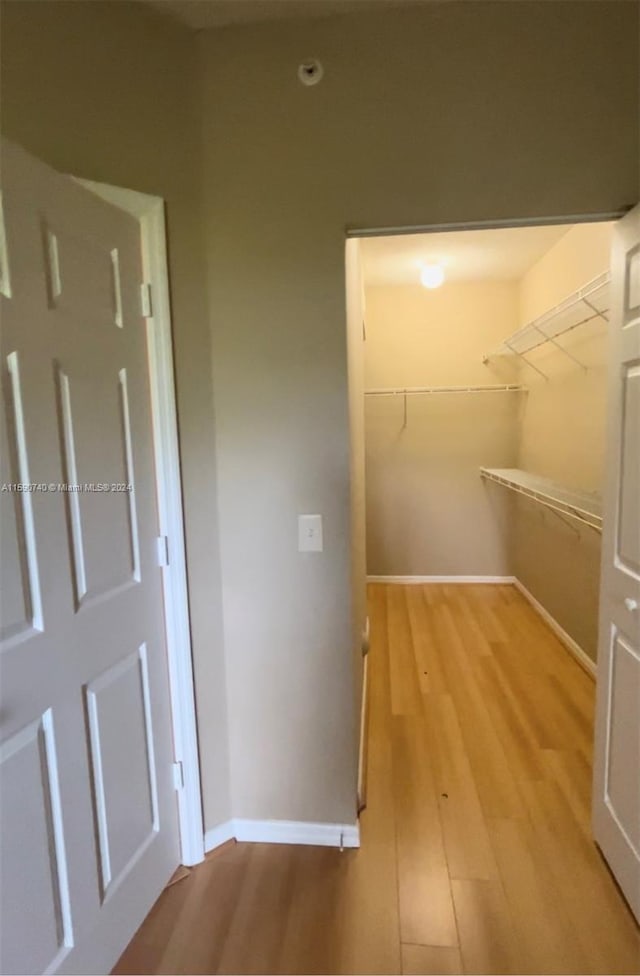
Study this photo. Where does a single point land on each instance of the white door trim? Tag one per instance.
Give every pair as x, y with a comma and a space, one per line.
150, 211
452, 226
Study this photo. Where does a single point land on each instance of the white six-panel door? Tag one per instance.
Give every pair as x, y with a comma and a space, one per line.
88, 811
616, 799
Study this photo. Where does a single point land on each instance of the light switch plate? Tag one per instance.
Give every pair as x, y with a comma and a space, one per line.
310, 533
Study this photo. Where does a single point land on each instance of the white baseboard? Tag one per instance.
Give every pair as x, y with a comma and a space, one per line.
441, 579
218, 835
581, 656
283, 832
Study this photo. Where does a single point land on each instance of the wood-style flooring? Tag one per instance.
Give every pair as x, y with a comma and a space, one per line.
476, 851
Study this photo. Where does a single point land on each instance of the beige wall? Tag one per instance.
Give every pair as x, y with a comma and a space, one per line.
456, 111
563, 437
416, 121
108, 91
355, 363
564, 423
429, 512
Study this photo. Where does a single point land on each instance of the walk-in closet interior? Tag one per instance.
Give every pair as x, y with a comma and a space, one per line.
482, 370
487, 369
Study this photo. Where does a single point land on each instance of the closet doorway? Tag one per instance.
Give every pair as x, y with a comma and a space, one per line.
494, 402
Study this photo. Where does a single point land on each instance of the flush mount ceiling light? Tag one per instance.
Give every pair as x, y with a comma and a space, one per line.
432, 275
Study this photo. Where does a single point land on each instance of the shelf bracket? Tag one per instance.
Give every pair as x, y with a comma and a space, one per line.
404, 422
562, 518
553, 341
524, 359
597, 312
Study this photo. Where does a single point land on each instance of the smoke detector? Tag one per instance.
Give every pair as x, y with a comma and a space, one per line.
310, 72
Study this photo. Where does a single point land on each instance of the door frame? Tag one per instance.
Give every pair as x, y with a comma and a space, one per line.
150, 212
452, 226
354, 231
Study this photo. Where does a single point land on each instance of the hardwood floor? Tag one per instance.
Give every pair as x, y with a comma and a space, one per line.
476, 850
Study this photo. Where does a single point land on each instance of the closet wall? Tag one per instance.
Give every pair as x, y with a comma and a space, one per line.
428, 511
563, 437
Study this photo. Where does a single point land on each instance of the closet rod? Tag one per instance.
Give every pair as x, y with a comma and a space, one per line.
421, 390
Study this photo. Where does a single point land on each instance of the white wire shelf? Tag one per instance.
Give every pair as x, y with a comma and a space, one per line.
582, 506
422, 390
587, 303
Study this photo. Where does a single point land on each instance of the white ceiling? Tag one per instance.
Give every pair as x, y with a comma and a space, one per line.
203, 14
504, 253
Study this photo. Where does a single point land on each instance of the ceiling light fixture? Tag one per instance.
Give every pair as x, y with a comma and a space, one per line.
432, 275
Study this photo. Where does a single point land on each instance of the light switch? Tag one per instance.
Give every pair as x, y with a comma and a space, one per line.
309, 533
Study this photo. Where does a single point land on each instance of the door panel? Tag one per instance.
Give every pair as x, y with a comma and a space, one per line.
33, 940
19, 576
616, 795
621, 790
85, 730
121, 731
103, 525
628, 535
632, 286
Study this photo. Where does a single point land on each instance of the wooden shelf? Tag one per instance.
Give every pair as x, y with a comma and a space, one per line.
583, 305
579, 505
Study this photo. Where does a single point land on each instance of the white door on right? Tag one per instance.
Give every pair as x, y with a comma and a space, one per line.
616, 795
